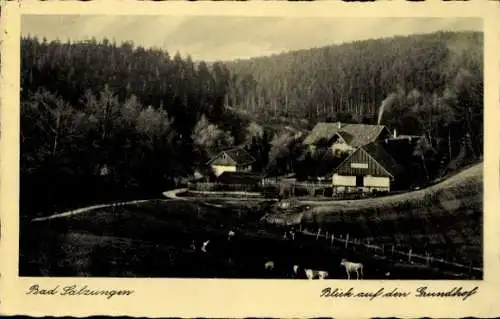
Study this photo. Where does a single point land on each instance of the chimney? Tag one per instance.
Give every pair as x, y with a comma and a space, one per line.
395, 134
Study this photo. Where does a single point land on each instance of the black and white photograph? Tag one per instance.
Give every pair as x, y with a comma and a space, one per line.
251, 147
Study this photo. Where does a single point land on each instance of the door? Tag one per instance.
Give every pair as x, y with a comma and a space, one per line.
359, 180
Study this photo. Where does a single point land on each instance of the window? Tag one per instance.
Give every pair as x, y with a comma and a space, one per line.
359, 165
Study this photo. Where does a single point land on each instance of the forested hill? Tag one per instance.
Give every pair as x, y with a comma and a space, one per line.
105, 119
355, 78
427, 84
101, 120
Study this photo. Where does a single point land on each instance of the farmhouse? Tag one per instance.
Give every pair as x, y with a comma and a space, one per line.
231, 160
343, 137
369, 168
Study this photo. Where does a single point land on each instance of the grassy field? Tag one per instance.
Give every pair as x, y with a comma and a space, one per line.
444, 219
153, 239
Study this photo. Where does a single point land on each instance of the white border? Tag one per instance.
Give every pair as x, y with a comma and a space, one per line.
241, 298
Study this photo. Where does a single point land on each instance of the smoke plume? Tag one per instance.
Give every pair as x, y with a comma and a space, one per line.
385, 106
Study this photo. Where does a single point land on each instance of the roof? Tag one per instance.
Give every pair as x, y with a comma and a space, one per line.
348, 138
377, 151
239, 178
234, 156
355, 134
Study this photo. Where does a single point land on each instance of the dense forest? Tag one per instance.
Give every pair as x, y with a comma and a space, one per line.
105, 120
354, 77
429, 85
102, 121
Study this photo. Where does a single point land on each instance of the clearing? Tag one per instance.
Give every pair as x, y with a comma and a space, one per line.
152, 238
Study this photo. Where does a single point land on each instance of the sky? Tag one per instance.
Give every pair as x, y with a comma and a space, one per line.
213, 38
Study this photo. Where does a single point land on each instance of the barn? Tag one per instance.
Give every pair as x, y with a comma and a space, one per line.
343, 137
369, 168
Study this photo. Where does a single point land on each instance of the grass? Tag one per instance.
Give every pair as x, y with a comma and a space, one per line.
138, 240
444, 219
153, 239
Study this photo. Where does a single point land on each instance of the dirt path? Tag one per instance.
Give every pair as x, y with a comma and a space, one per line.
171, 194
174, 192
198, 196
87, 209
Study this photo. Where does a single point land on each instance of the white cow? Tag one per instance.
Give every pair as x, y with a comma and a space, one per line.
311, 274
322, 274
352, 267
295, 270
204, 246
269, 265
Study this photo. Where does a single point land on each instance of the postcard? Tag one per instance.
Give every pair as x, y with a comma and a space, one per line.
250, 159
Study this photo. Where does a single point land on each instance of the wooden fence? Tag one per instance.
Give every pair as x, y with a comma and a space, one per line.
296, 188
389, 251
218, 187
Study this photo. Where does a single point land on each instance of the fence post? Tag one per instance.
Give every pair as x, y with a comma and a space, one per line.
383, 249
393, 250
331, 242
317, 235
326, 235
300, 227
346, 240
409, 255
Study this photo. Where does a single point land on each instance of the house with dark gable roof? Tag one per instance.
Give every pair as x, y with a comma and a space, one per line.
369, 168
344, 137
231, 160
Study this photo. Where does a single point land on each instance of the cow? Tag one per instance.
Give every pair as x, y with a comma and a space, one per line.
204, 246
352, 267
311, 274
269, 265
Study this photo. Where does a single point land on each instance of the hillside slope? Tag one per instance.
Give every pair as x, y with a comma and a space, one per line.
446, 218
353, 77
425, 84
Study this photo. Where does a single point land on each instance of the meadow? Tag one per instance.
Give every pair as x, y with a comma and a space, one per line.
153, 239
444, 220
